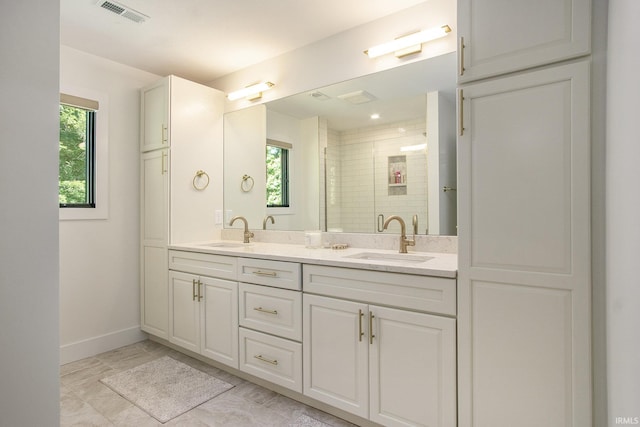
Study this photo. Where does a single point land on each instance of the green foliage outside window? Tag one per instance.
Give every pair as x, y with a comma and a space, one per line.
73, 155
277, 177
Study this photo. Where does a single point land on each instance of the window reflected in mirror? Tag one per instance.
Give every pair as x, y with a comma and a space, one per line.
277, 162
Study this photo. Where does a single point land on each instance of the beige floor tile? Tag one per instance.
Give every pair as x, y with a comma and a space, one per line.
134, 416
235, 411
84, 401
76, 412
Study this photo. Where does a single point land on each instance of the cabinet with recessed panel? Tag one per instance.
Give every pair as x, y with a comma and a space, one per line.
524, 225
498, 37
203, 305
393, 365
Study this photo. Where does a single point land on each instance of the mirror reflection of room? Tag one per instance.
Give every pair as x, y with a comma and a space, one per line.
340, 139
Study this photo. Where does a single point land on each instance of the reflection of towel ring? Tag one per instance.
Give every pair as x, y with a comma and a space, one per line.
247, 183
199, 175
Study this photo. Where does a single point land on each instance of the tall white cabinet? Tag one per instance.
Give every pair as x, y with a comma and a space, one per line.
180, 135
524, 285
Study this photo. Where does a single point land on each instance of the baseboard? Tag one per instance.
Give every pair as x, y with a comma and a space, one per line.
96, 345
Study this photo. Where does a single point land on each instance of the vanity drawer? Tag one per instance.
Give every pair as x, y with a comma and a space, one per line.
414, 292
223, 267
271, 310
271, 358
279, 274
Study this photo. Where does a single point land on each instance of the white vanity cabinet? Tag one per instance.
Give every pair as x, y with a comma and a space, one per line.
180, 133
497, 37
394, 366
270, 313
203, 310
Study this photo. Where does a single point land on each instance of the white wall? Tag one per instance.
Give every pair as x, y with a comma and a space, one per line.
623, 211
29, 374
340, 57
99, 274
245, 132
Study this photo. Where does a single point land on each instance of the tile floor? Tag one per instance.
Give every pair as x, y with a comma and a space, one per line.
84, 401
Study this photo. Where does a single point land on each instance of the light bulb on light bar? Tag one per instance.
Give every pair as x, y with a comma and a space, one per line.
250, 92
411, 40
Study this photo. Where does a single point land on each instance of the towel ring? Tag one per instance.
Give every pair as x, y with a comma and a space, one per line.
199, 175
247, 183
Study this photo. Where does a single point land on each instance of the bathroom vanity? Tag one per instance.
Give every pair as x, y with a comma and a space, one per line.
369, 332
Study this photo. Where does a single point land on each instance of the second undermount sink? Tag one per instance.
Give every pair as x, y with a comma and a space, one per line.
224, 245
400, 258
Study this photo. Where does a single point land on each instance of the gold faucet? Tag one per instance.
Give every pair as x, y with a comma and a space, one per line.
264, 221
404, 242
247, 234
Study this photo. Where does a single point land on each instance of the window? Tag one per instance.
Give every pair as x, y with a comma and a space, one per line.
277, 174
77, 154
84, 154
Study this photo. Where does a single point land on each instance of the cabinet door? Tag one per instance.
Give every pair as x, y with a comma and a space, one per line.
154, 298
219, 320
524, 251
412, 360
154, 111
184, 310
335, 349
503, 36
154, 193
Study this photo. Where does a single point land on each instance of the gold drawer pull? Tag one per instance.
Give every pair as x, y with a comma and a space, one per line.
264, 310
260, 357
265, 273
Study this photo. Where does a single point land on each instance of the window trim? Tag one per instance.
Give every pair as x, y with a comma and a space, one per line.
101, 158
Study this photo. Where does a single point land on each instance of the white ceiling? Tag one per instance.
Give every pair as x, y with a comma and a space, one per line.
202, 40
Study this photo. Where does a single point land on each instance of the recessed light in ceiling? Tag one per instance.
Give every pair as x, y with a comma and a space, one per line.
123, 10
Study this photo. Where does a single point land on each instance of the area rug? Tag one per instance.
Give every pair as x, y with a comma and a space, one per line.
307, 421
165, 388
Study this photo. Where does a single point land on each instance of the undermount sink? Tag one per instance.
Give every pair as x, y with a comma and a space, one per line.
224, 245
401, 258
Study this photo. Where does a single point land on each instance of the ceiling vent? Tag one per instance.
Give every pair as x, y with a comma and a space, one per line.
319, 95
122, 10
358, 97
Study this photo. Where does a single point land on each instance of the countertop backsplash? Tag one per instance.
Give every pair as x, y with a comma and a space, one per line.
424, 243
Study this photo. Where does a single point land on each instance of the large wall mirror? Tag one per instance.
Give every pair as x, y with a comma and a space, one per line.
349, 155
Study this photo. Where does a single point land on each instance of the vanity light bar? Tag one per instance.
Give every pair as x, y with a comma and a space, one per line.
250, 92
408, 44
416, 147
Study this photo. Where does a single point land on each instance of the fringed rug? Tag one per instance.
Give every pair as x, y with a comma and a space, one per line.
165, 388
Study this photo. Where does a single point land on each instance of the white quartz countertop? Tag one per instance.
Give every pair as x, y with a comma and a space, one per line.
436, 264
